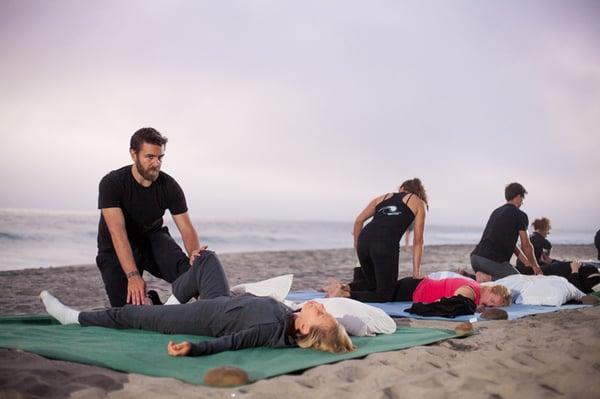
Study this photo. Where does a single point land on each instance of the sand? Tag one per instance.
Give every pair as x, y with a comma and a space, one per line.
549, 355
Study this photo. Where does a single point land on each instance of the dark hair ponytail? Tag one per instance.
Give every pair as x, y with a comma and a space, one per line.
415, 187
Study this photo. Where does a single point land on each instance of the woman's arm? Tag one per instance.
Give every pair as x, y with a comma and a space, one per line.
260, 335
521, 256
419, 228
368, 212
465, 291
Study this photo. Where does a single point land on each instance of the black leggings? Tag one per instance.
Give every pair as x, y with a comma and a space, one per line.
376, 281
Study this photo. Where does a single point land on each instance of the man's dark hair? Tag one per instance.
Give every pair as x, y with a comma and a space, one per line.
514, 189
146, 135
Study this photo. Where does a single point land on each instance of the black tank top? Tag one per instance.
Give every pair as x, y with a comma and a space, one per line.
392, 216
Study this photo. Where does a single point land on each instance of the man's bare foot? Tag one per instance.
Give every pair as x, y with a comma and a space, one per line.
575, 265
482, 277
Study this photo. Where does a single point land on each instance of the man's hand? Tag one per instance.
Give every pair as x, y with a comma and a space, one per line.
136, 290
181, 349
196, 252
538, 271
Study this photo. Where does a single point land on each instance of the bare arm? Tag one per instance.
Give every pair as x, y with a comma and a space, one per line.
465, 291
418, 207
528, 250
368, 212
189, 235
521, 256
136, 287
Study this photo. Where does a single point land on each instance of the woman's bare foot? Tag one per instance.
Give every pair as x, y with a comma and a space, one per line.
336, 289
464, 272
482, 277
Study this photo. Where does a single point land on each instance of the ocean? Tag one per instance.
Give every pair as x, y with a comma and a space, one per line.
37, 238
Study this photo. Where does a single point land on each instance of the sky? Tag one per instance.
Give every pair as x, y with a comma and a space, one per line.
289, 110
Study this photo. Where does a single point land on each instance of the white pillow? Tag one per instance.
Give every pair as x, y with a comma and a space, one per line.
540, 290
358, 318
276, 287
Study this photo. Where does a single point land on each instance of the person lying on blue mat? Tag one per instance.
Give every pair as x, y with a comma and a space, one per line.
238, 322
426, 290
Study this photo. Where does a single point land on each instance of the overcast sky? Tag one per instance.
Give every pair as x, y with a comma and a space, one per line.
306, 110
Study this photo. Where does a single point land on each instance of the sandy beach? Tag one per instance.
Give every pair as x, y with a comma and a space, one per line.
549, 355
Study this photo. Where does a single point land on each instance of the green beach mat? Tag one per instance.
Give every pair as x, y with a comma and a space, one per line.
145, 352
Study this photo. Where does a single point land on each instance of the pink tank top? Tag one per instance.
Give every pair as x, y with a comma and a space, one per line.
430, 290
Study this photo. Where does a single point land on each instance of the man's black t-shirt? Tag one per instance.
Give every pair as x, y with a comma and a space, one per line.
501, 233
539, 243
143, 207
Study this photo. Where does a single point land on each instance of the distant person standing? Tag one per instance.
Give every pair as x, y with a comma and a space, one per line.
131, 235
597, 243
498, 242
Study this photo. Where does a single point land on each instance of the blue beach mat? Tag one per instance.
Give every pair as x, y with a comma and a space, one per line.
398, 309
145, 352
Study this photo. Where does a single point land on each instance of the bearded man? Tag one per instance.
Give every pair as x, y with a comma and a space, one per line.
131, 235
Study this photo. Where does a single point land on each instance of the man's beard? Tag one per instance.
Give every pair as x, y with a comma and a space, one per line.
150, 174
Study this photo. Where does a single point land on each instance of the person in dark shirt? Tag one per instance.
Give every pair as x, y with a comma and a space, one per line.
131, 235
238, 322
507, 224
584, 276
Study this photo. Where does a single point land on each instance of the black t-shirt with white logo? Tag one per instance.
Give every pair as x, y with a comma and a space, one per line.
501, 233
143, 207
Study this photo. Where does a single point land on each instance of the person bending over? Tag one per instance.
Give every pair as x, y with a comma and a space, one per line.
238, 322
581, 275
427, 290
498, 242
377, 244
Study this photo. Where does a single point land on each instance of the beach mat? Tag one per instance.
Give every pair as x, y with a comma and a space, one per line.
398, 309
144, 352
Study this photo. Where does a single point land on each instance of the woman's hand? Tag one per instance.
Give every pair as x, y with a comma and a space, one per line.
181, 349
196, 252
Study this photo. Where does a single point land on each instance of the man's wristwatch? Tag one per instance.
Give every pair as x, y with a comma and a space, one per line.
131, 274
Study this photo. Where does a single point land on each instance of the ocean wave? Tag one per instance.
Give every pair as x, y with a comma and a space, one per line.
10, 236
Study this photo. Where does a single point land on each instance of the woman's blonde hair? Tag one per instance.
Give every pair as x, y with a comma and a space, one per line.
333, 339
502, 292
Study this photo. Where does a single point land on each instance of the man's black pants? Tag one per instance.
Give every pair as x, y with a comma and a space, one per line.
158, 254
